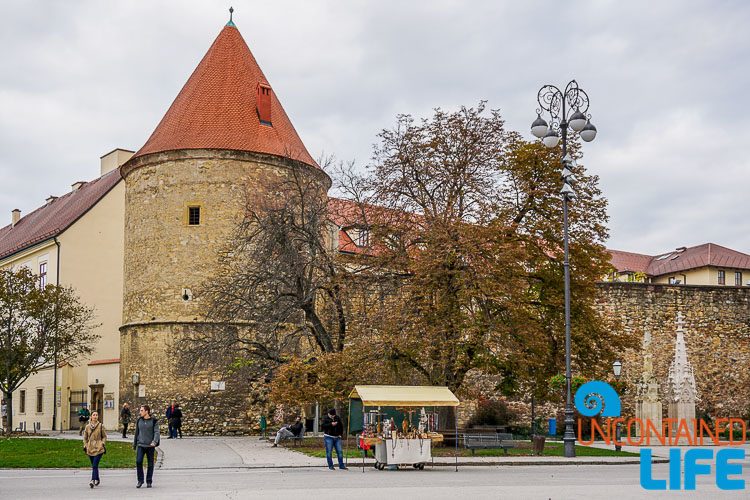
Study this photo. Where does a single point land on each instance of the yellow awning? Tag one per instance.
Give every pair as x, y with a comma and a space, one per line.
404, 395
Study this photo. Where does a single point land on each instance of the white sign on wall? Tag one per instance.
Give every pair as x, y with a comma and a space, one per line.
141, 391
218, 386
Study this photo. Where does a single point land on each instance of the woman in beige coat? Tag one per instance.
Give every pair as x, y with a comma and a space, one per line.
94, 439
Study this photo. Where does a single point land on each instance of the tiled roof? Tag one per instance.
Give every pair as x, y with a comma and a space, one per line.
54, 218
105, 361
629, 261
708, 254
216, 109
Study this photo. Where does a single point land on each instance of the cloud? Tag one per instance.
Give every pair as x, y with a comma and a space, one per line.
667, 82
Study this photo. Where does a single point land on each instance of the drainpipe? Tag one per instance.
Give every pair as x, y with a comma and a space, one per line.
54, 382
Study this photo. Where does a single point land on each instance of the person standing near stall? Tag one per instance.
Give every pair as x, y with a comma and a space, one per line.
94, 441
333, 429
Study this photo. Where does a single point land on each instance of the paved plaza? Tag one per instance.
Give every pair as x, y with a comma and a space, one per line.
250, 468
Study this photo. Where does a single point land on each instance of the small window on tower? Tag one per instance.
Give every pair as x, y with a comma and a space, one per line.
194, 216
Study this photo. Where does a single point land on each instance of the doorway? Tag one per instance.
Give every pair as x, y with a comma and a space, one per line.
97, 400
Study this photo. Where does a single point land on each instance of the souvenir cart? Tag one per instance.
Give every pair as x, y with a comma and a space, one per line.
401, 422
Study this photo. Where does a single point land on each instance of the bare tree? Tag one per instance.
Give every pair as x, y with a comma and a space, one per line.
278, 290
38, 325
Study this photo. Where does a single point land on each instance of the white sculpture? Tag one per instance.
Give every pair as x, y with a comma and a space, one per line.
681, 393
648, 407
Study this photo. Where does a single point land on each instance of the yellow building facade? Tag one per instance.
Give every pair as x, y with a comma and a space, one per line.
87, 255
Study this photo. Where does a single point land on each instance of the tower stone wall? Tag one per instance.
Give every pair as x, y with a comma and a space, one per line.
166, 263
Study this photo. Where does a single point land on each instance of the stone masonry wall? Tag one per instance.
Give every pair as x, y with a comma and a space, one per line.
717, 334
164, 256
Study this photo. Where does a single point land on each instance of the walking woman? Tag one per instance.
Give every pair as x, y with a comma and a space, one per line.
94, 441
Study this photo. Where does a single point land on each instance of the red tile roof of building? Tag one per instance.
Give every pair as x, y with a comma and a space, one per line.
707, 254
105, 361
55, 217
216, 109
629, 261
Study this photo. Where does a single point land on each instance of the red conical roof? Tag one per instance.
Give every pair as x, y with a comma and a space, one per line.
216, 109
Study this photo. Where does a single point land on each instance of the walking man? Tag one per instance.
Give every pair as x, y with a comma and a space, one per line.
83, 418
145, 441
332, 432
125, 419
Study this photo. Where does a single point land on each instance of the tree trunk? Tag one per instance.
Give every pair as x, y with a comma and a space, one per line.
9, 417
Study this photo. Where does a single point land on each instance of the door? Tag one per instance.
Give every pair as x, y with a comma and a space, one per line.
97, 401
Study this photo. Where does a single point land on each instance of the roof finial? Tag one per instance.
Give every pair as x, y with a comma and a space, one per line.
230, 23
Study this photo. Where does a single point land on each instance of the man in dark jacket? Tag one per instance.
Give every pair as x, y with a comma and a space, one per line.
83, 417
289, 431
333, 429
125, 419
145, 441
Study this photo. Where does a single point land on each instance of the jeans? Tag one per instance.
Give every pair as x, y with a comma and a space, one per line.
149, 452
283, 433
330, 443
95, 466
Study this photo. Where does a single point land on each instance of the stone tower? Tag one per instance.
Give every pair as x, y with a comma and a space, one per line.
225, 133
681, 393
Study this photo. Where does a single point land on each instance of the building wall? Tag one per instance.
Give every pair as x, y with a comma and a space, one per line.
91, 261
708, 275
166, 263
109, 375
43, 380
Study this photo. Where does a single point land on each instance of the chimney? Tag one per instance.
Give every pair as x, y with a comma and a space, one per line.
50, 199
114, 159
15, 216
264, 104
76, 185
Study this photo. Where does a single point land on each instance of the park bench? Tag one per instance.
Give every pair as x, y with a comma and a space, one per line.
499, 440
296, 439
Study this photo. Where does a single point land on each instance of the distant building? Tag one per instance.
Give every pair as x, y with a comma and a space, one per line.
707, 264
75, 240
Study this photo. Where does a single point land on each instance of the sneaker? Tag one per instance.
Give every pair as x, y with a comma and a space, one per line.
343, 467
274, 445
148, 485
331, 468
91, 484
96, 482
140, 483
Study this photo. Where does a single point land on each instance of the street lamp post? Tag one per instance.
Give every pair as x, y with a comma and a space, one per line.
617, 370
557, 104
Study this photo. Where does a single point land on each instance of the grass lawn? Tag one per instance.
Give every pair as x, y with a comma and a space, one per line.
18, 453
317, 449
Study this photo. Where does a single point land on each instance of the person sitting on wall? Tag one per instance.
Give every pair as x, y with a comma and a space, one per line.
289, 431
83, 418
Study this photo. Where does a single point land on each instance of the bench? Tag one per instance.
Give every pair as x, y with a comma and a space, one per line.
495, 441
296, 439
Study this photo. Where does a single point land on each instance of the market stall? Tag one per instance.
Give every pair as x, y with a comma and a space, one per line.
401, 422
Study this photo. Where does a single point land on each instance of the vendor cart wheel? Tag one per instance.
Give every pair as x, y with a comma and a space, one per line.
375, 465
380, 466
416, 466
421, 466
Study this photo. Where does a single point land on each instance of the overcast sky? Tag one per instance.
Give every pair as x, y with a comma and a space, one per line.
668, 80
